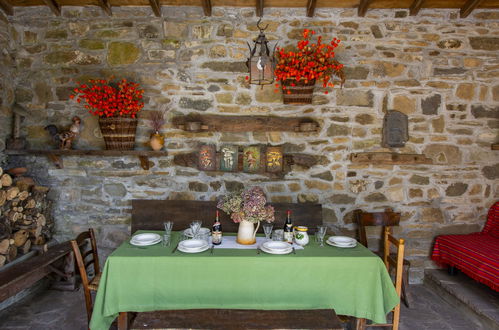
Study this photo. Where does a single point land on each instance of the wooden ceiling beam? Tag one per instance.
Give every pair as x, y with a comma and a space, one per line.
415, 7
363, 6
207, 7
311, 7
6, 7
259, 8
106, 6
54, 6
156, 7
469, 6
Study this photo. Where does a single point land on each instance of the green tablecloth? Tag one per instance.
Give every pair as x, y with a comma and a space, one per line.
351, 281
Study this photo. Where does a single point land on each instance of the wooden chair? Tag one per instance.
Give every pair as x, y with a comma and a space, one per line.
387, 220
85, 251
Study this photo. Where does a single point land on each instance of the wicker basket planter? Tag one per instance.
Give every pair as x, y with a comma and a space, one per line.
118, 132
300, 93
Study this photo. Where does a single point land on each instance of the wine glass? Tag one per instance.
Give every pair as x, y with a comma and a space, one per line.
321, 232
267, 229
168, 227
195, 226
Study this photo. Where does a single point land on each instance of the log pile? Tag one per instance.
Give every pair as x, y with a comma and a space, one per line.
25, 217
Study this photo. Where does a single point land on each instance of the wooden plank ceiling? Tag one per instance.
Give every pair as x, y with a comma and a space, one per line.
363, 6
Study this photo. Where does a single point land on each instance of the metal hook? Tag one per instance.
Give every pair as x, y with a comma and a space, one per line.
258, 25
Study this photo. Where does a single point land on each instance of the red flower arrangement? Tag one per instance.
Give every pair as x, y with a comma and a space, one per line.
312, 61
107, 99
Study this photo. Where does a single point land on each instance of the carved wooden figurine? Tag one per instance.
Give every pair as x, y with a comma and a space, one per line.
65, 138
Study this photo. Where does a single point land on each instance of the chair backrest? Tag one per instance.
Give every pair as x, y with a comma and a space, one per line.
492, 225
396, 262
85, 251
150, 214
387, 219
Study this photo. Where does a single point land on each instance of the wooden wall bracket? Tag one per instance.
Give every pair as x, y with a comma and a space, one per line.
220, 123
389, 158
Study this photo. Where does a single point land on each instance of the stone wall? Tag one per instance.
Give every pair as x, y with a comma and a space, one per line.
6, 79
442, 71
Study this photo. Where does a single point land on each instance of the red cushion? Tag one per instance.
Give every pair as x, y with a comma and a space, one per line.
492, 225
476, 255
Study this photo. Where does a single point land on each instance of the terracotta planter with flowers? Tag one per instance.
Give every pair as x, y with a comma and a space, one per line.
312, 61
116, 104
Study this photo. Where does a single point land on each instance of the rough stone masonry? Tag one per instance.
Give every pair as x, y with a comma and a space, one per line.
440, 70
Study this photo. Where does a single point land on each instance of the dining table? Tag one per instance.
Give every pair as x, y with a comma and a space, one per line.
352, 281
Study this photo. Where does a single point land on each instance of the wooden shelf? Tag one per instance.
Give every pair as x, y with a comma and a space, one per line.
389, 158
495, 146
55, 154
219, 123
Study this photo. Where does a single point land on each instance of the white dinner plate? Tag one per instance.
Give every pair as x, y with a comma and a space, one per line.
277, 246
341, 240
193, 246
145, 239
276, 251
354, 244
145, 243
203, 230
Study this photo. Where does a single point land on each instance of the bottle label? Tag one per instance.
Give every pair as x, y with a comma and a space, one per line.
216, 237
288, 236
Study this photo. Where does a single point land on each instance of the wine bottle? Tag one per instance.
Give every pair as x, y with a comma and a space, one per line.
288, 229
216, 233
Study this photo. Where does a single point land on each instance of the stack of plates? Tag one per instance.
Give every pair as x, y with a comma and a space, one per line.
276, 247
202, 231
145, 239
342, 241
193, 246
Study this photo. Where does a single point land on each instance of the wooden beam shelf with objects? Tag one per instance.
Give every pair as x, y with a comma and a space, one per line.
55, 155
220, 123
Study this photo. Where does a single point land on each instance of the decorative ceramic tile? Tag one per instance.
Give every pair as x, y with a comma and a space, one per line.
251, 159
207, 158
274, 159
228, 158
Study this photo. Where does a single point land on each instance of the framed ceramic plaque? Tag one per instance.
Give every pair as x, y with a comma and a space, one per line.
273, 159
229, 158
251, 159
207, 158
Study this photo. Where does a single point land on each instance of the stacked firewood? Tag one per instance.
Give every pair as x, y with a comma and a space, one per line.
25, 216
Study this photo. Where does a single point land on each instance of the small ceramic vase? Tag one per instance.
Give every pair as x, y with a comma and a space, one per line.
157, 141
247, 232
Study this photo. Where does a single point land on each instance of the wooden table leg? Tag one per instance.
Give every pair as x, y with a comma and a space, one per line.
123, 321
360, 324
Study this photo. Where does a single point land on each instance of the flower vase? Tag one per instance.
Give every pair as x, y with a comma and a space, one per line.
246, 234
298, 92
157, 141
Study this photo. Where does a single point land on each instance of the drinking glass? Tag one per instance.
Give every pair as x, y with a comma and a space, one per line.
321, 232
267, 229
166, 239
278, 235
195, 226
168, 227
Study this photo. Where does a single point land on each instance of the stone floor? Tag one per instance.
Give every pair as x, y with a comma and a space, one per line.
66, 310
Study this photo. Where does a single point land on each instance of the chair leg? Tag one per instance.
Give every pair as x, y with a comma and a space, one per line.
405, 287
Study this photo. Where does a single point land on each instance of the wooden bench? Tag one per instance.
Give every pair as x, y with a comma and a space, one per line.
150, 215
24, 274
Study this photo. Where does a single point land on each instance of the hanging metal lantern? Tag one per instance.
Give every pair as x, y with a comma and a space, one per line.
261, 63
